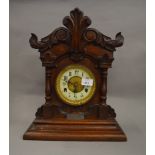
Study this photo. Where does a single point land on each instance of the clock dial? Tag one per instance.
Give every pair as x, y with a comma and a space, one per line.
70, 86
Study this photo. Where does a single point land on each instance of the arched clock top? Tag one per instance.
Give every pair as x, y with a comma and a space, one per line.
77, 39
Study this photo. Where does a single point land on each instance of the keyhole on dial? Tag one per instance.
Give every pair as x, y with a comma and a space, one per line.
86, 90
65, 89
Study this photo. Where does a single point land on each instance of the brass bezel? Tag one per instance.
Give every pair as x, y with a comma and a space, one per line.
75, 102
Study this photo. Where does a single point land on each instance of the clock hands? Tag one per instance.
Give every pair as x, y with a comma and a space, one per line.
70, 82
74, 93
74, 85
75, 88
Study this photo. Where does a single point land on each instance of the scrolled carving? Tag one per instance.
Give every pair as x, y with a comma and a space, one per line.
112, 44
91, 35
59, 35
76, 35
101, 111
106, 112
35, 43
111, 111
39, 112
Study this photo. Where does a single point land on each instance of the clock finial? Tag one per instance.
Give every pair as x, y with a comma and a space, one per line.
76, 23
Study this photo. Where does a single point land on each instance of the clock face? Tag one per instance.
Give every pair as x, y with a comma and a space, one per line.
75, 85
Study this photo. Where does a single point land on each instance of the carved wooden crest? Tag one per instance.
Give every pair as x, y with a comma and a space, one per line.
76, 40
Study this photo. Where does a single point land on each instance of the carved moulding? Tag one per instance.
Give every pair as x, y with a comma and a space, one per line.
76, 36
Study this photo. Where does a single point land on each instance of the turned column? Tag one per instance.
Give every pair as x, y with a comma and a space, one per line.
48, 90
103, 66
49, 108
103, 97
104, 109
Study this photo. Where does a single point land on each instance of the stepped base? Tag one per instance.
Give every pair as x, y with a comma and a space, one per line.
79, 130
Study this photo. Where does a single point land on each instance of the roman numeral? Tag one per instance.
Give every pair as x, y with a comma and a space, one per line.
70, 73
65, 89
86, 90
65, 78
76, 72
81, 95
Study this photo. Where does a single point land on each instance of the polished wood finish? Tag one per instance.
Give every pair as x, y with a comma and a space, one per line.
88, 130
76, 44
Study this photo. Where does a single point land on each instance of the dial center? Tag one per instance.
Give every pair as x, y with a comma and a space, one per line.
74, 84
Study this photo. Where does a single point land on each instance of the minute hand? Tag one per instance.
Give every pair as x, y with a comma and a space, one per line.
75, 89
70, 83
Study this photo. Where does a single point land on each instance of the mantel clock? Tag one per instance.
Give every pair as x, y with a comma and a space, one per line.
76, 60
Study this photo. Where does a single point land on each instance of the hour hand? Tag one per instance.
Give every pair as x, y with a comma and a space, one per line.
70, 83
75, 90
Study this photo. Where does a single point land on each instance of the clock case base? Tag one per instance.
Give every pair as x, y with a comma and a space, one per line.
71, 130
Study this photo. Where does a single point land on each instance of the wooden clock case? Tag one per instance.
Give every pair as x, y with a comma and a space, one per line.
76, 44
